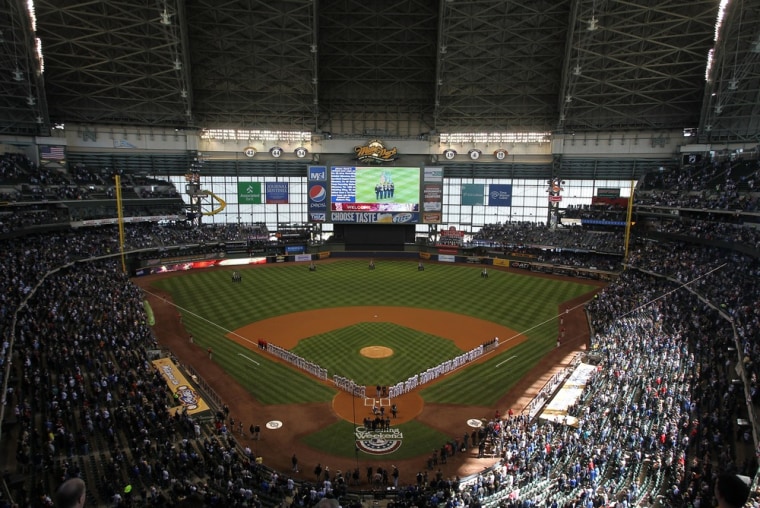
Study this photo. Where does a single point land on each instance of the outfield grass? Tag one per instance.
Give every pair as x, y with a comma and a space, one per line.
212, 306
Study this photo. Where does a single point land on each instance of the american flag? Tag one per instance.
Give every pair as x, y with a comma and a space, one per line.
52, 153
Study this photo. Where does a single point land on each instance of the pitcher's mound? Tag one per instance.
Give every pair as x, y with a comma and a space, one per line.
376, 352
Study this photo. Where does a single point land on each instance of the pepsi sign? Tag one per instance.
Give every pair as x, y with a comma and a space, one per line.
317, 197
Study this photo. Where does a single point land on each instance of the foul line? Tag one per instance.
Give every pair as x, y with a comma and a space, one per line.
505, 361
249, 359
229, 332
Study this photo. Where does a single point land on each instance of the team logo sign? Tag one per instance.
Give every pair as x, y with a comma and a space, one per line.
188, 397
378, 442
375, 152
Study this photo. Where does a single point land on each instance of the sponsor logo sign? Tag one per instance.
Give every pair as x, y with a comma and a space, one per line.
317, 193
402, 217
317, 173
520, 264
317, 198
249, 193
499, 195
276, 193
375, 217
433, 175
472, 193
318, 217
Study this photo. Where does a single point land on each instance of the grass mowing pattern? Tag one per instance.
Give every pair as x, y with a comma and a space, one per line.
211, 306
484, 383
339, 352
338, 438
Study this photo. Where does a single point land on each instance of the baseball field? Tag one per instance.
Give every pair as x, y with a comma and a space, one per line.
376, 327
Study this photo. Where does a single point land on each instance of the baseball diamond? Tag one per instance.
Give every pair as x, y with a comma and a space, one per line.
314, 428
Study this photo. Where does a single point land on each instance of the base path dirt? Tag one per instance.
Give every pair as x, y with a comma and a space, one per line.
277, 446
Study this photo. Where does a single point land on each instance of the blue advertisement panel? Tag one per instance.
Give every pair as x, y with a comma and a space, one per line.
317, 196
473, 193
500, 195
276, 193
375, 217
316, 199
317, 173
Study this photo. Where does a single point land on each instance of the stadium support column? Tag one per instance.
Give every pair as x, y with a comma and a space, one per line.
193, 190
554, 198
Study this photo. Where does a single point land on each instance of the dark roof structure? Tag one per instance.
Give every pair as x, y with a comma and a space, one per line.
383, 67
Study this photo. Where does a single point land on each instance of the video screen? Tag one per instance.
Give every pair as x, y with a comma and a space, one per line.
384, 191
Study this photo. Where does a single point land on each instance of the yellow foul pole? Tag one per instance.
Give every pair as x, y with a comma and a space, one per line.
628, 225
120, 216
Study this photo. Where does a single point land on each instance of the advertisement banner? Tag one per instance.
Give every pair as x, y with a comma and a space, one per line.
276, 193
317, 173
608, 192
178, 384
249, 193
317, 200
432, 195
520, 264
500, 195
500, 262
375, 217
473, 193
433, 174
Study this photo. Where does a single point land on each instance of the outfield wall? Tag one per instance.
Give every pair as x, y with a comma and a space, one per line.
180, 264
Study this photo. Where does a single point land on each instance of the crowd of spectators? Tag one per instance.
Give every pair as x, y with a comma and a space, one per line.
649, 425
60, 195
598, 212
717, 185
531, 235
656, 424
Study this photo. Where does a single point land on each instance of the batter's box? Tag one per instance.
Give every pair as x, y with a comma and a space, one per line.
368, 402
385, 401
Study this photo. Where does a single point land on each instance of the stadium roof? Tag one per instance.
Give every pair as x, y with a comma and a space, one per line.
383, 67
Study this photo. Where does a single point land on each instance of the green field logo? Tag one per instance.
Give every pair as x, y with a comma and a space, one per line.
378, 442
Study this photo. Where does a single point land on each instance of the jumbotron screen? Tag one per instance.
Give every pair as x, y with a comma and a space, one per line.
374, 195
